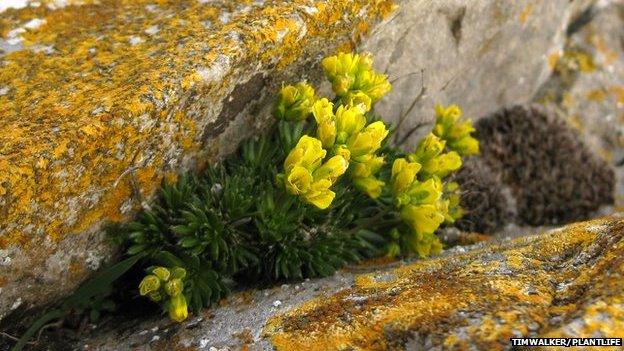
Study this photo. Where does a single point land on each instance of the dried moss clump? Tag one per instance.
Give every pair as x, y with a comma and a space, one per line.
486, 207
552, 174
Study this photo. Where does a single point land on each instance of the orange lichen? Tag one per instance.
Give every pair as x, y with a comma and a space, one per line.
618, 92
481, 298
597, 95
526, 13
553, 59
603, 48
102, 95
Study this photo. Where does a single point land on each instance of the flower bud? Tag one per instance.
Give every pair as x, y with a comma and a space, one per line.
403, 174
174, 287
162, 273
149, 284
332, 168
295, 102
359, 99
319, 194
178, 272
178, 310
424, 219
298, 181
370, 185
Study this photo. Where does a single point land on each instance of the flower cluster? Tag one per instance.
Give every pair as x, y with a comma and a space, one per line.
423, 199
345, 133
308, 177
167, 284
419, 203
455, 133
295, 102
354, 80
342, 130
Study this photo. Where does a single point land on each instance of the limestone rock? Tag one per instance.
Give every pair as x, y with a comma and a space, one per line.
100, 101
481, 55
568, 282
587, 86
103, 100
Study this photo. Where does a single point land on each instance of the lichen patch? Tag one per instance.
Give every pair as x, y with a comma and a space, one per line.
481, 298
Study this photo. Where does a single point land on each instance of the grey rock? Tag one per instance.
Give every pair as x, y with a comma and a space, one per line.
591, 94
481, 55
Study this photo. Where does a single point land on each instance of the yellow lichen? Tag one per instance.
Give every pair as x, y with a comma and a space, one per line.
526, 13
474, 298
88, 119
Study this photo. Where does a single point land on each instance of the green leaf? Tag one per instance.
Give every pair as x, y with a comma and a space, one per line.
102, 280
188, 241
135, 249
38, 324
183, 230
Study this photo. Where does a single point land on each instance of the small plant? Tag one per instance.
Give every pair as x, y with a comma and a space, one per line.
323, 188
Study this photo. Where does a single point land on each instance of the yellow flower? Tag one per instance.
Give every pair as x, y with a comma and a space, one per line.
178, 310
307, 177
370, 185
174, 287
366, 166
403, 174
453, 207
342, 69
358, 98
443, 164
373, 84
299, 180
352, 73
149, 284
343, 151
332, 169
428, 148
455, 133
295, 102
368, 141
308, 153
319, 194
326, 122
349, 120
162, 273
465, 146
424, 244
423, 219
178, 272
446, 116
427, 192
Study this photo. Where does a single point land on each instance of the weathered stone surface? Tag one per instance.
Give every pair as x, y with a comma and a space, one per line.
567, 282
481, 55
587, 86
101, 102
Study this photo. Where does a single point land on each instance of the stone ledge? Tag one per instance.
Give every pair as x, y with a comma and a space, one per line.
566, 282
101, 102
